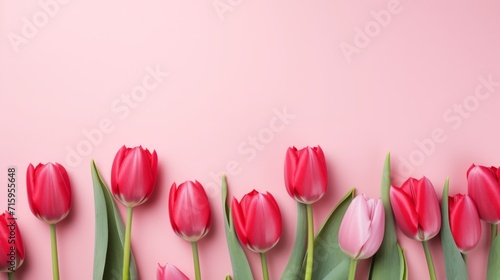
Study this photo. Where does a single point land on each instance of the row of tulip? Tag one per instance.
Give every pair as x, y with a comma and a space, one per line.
362, 231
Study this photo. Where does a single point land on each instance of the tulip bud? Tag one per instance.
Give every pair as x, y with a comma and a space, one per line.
484, 190
305, 174
189, 211
169, 272
416, 209
362, 228
11, 244
49, 192
257, 220
133, 175
464, 222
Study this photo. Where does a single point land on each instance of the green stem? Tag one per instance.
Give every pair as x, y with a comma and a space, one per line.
196, 260
265, 270
55, 261
428, 258
352, 269
494, 232
10, 275
126, 246
310, 243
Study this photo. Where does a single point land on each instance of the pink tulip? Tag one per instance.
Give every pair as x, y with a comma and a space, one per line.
169, 272
189, 211
362, 228
416, 209
133, 175
464, 222
305, 174
484, 190
11, 244
49, 192
257, 219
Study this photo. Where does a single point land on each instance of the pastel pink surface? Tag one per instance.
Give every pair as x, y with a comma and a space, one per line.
243, 86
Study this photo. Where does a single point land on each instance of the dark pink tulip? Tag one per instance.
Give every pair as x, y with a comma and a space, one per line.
169, 272
257, 219
362, 228
305, 174
464, 222
11, 244
133, 175
416, 209
484, 189
189, 211
49, 192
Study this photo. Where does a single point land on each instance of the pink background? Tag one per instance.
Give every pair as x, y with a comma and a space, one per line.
352, 78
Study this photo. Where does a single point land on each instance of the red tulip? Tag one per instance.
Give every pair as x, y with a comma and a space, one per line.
305, 174
189, 210
484, 189
169, 272
257, 219
49, 192
11, 244
362, 228
133, 175
416, 209
464, 222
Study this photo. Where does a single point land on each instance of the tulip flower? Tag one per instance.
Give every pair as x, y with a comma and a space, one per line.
464, 222
362, 229
11, 245
133, 177
169, 272
416, 209
190, 215
306, 180
49, 198
257, 220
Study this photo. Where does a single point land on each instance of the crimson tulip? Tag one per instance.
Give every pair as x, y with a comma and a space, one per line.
169, 272
257, 220
362, 228
305, 174
189, 210
133, 175
49, 192
416, 208
484, 189
464, 222
11, 244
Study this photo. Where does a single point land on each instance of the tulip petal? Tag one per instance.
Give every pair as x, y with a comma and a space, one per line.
239, 221
354, 228
404, 211
464, 222
263, 223
427, 207
290, 169
310, 179
484, 189
376, 230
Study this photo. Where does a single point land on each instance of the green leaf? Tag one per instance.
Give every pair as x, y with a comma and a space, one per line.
109, 234
294, 267
239, 261
403, 263
453, 260
493, 271
328, 256
386, 264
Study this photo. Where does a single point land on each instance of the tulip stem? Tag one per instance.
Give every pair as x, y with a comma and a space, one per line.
352, 269
10, 275
126, 246
494, 233
55, 261
196, 260
265, 270
310, 242
428, 258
